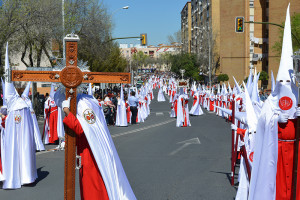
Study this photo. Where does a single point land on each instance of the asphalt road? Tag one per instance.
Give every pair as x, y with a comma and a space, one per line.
162, 162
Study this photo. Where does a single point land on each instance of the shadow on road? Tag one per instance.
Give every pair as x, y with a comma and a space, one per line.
41, 175
228, 177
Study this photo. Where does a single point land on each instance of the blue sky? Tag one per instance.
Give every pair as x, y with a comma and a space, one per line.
157, 18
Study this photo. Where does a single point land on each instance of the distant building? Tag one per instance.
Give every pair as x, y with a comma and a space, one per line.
128, 50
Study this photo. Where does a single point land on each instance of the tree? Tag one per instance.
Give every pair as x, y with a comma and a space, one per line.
223, 77
175, 38
295, 27
263, 76
185, 61
139, 59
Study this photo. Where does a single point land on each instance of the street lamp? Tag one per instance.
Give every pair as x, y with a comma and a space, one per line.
182, 72
124, 8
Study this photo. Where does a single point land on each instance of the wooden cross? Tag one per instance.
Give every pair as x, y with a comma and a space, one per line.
71, 77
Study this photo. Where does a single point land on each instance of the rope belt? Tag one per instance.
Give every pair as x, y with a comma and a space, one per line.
286, 140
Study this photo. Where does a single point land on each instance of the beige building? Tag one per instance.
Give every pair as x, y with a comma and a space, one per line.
186, 27
128, 51
277, 12
238, 53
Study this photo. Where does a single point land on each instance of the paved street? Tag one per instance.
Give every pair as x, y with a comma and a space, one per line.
162, 162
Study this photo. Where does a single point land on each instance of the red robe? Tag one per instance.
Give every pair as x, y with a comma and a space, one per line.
211, 105
52, 123
91, 183
286, 131
128, 112
195, 100
175, 107
184, 113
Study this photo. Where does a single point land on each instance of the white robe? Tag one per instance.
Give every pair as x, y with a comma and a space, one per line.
37, 135
180, 117
121, 118
160, 96
104, 151
264, 169
196, 109
18, 149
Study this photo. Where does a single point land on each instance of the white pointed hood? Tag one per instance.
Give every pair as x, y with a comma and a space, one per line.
255, 94
90, 90
27, 89
250, 112
52, 91
285, 90
14, 101
3, 91
286, 61
250, 83
6, 66
122, 93
273, 83
238, 88
229, 88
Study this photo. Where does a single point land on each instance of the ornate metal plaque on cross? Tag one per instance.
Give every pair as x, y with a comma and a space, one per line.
71, 77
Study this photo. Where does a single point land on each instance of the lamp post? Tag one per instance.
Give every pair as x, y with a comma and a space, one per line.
296, 58
182, 72
124, 8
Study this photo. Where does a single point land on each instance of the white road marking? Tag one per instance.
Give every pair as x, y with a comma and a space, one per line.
185, 144
141, 129
159, 113
47, 151
121, 134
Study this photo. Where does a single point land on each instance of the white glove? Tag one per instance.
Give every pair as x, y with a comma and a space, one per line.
233, 127
66, 103
283, 117
298, 112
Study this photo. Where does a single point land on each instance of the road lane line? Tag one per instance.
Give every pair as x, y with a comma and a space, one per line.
141, 129
121, 134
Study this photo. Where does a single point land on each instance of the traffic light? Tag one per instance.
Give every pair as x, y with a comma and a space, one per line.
239, 24
144, 39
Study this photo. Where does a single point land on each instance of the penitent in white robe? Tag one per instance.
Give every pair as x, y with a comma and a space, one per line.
121, 117
160, 96
196, 109
18, 149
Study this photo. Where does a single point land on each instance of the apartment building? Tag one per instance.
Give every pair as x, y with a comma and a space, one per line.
238, 53
276, 12
186, 27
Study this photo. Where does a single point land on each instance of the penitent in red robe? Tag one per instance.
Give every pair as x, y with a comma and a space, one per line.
286, 137
52, 120
92, 186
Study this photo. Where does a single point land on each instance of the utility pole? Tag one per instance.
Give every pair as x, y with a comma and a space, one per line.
209, 58
63, 26
131, 72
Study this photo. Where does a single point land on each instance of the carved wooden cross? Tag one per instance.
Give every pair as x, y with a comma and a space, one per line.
71, 77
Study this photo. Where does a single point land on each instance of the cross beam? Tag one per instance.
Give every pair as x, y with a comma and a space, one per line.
71, 77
